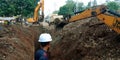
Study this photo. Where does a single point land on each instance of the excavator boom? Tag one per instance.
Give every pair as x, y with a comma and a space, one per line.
35, 17
87, 13
113, 20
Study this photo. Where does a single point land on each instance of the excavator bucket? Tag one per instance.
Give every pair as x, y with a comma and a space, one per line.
30, 20
59, 24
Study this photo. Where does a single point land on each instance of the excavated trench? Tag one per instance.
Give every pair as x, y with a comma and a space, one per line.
88, 39
17, 42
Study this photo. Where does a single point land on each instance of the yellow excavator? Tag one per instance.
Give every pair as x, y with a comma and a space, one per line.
102, 12
35, 17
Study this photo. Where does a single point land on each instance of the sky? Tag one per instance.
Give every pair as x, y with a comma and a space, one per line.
52, 5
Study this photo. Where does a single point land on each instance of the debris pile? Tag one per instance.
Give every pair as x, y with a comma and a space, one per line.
88, 39
17, 43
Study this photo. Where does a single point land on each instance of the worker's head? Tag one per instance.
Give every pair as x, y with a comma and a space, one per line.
38, 2
45, 39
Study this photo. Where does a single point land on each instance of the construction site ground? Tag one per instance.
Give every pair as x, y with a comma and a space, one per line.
87, 39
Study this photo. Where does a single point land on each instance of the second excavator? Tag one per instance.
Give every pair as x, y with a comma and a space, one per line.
102, 12
35, 17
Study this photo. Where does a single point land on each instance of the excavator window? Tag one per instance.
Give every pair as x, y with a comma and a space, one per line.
116, 24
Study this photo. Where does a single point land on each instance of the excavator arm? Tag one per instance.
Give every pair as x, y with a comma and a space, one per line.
87, 13
82, 15
113, 21
35, 17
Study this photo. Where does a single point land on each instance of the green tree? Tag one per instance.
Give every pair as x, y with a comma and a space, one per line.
94, 2
67, 9
16, 7
70, 7
88, 5
113, 5
55, 12
80, 6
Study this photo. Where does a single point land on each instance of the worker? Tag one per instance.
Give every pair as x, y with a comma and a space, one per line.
44, 40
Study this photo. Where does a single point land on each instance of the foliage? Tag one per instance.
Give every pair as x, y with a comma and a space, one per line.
16, 7
55, 12
113, 5
69, 8
88, 5
80, 6
94, 3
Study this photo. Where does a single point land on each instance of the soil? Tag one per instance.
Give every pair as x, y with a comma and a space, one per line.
17, 42
87, 39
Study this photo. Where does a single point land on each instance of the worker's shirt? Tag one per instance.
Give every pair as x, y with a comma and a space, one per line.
41, 55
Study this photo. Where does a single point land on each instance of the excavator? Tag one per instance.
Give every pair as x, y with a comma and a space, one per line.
35, 17
102, 12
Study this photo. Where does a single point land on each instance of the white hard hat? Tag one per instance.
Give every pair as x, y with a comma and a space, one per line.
45, 37
38, 2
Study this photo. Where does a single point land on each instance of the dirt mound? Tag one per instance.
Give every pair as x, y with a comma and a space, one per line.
90, 39
17, 43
